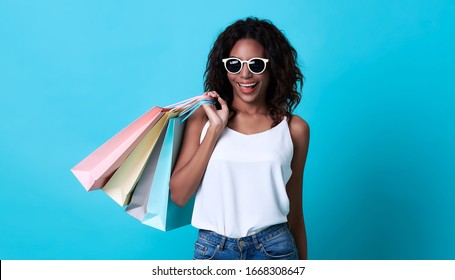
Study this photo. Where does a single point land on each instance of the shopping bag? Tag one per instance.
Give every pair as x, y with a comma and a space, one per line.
140, 157
94, 171
138, 204
121, 184
162, 212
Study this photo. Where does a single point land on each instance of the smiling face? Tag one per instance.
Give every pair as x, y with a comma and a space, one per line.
248, 87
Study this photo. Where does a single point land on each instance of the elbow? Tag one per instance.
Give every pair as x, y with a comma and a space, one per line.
177, 198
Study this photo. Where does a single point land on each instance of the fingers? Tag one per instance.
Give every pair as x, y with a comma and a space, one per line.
223, 104
210, 111
212, 94
216, 96
214, 115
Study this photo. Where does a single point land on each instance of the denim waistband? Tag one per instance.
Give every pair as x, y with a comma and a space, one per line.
243, 242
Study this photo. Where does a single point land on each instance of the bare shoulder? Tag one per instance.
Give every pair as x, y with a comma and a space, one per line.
299, 128
190, 143
197, 120
300, 134
193, 129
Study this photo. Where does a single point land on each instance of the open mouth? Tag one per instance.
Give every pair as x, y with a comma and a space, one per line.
247, 88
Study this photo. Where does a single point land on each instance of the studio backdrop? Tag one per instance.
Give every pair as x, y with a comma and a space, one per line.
379, 98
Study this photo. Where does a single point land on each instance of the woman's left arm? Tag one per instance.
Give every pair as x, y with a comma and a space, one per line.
300, 134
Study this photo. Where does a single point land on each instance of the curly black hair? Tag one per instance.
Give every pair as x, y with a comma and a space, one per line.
286, 78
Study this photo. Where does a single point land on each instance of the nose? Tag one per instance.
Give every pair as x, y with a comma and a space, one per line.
245, 72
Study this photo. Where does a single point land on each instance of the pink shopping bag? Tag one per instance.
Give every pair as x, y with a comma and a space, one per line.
94, 171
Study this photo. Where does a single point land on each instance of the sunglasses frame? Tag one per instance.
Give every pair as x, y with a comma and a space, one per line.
265, 60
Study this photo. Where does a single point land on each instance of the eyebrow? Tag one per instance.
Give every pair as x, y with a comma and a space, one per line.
233, 56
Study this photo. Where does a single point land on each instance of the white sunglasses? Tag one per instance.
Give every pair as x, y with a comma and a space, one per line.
234, 65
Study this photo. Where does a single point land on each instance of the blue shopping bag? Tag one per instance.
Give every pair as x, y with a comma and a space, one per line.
162, 212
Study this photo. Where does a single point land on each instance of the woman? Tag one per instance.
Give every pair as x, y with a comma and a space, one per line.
245, 159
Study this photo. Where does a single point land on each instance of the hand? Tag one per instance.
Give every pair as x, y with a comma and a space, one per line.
218, 118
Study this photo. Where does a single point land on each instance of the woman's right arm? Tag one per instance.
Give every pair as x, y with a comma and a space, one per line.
194, 156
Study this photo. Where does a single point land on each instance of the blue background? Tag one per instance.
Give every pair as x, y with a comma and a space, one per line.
379, 98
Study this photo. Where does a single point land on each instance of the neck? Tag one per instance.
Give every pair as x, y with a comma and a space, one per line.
259, 108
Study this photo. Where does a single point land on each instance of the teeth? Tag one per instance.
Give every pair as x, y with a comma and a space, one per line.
247, 85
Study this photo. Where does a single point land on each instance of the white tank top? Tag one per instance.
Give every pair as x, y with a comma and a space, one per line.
244, 187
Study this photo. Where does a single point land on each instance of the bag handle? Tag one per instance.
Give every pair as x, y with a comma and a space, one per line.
189, 111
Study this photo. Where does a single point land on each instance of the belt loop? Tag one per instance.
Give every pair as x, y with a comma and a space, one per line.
222, 242
255, 241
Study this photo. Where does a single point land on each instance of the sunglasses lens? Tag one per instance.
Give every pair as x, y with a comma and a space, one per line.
233, 65
257, 65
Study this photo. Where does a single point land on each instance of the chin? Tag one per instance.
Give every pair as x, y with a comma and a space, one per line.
248, 97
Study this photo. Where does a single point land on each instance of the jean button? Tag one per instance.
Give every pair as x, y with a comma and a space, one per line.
242, 243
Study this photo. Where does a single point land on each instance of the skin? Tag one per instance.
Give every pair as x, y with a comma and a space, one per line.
251, 118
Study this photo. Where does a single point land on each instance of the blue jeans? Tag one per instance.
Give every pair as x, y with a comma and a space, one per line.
273, 243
